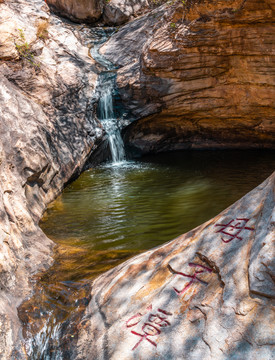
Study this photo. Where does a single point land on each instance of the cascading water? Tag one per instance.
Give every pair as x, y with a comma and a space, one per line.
106, 114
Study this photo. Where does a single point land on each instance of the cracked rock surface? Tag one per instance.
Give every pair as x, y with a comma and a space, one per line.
208, 294
47, 131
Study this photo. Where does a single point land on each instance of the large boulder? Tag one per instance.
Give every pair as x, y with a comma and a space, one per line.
78, 10
206, 295
47, 132
198, 74
117, 12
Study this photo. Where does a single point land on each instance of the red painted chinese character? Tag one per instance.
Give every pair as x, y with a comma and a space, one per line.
148, 330
134, 320
194, 277
233, 229
158, 319
151, 327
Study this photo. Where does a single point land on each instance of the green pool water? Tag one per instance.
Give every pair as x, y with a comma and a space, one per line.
113, 212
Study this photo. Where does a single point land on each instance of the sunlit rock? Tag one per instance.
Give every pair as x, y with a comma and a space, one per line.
117, 12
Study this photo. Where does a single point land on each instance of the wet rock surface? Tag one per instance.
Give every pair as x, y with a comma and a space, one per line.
198, 75
47, 132
207, 294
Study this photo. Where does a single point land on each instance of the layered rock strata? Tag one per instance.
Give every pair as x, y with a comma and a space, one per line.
198, 74
47, 131
206, 295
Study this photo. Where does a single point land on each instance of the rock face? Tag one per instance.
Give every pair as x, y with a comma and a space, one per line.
112, 12
78, 10
117, 12
47, 131
206, 295
198, 75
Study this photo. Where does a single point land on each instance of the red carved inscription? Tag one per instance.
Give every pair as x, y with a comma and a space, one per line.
152, 327
199, 269
233, 229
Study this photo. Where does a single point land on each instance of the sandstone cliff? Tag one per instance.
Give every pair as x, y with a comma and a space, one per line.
198, 74
47, 131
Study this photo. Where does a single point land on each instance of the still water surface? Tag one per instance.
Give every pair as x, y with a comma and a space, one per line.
112, 212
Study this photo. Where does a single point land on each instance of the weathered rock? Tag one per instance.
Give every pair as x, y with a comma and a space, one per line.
117, 12
47, 131
198, 75
78, 10
205, 295
113, 12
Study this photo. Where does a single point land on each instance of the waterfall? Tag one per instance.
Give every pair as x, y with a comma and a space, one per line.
109, 122
106, 114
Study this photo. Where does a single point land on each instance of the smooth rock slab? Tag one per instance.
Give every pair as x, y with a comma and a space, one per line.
205, 295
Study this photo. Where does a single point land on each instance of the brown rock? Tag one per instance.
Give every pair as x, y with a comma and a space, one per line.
205, 295
78, 10
198, 75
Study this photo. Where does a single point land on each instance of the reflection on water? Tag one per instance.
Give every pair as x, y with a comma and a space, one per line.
134, 206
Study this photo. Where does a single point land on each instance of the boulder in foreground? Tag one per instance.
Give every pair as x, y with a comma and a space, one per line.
206, 295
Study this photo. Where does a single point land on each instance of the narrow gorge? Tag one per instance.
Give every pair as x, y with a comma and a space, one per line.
125, 124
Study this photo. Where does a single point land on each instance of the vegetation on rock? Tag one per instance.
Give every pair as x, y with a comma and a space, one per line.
24, 49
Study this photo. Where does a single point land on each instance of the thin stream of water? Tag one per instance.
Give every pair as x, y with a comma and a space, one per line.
106, 114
